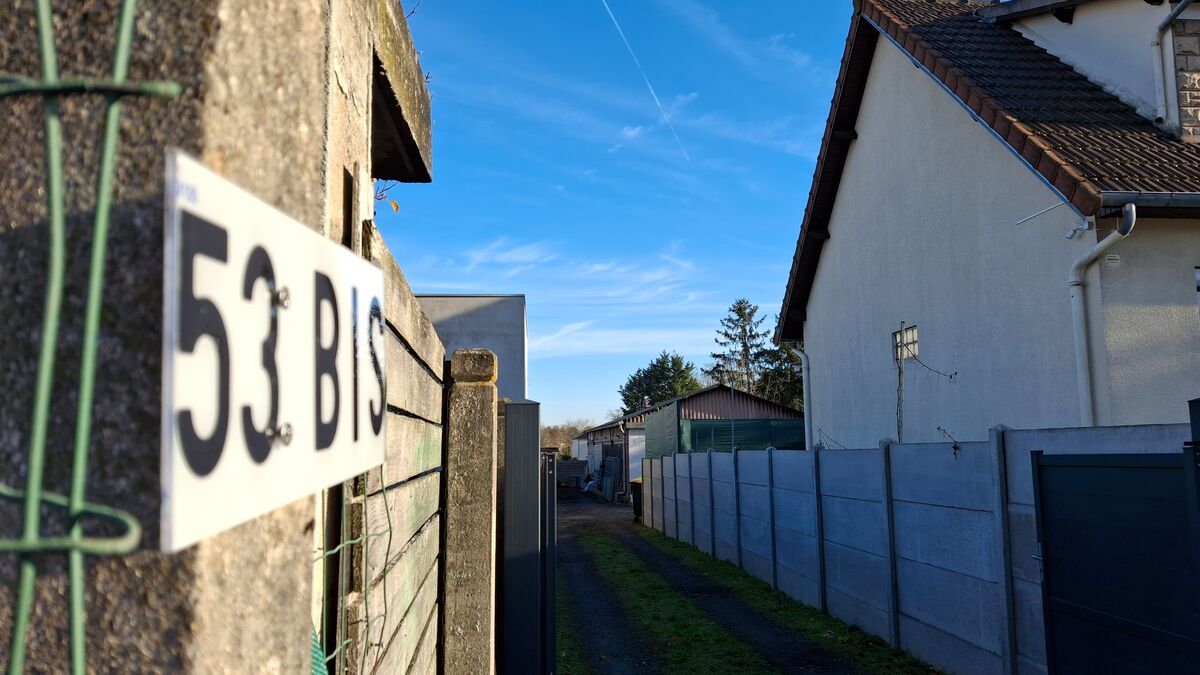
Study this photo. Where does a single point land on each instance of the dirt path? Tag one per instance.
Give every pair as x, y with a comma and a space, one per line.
610, 641
780, 646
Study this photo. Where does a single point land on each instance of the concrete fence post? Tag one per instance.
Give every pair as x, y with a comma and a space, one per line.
737, 507
712, 510
469, 556
771, 514
691, 502
885, 448
648, 486
1003, 554
675, 490
819, 529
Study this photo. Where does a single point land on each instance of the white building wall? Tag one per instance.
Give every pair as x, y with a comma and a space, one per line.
924, 231
495, 322
1151, 324
1109, 41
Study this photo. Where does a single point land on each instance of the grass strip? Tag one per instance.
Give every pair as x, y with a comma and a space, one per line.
568, 650
861, 649
686, 639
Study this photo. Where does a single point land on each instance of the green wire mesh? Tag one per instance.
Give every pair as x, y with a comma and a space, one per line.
50, 88
75, 545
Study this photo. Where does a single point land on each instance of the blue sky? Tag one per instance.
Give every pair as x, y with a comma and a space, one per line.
556, 174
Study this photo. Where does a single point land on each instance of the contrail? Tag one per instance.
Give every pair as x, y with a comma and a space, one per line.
661, 109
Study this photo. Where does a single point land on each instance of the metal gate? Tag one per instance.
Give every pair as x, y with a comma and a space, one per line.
527, 546
1119, 537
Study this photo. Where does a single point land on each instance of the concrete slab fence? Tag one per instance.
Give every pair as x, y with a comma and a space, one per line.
931, 547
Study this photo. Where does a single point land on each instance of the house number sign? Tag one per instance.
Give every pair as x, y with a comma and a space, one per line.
273, 362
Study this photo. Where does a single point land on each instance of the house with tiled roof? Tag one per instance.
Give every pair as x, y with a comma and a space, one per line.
1004, 222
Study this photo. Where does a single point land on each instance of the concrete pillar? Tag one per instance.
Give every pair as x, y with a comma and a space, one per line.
712, 510
469, 554
737, 507
819, 528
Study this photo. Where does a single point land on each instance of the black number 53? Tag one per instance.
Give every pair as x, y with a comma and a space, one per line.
199, 317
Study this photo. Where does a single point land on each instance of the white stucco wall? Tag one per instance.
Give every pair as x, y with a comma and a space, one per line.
1151, 327
1109, 41
924, 232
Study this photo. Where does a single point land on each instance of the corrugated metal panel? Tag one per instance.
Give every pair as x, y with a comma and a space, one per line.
724, 404
662, 431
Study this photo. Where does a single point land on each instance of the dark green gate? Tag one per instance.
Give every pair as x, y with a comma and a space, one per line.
1120, 544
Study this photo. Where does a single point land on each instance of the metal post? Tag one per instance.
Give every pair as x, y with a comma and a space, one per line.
820, 528
737, 507
771, 514
520, 564
1003, 554
885, 448
549, 542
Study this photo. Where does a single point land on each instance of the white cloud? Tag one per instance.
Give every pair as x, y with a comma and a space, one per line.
501, 252
632, 132
569, 329
758, 56
632, 340
643, 302
778, 134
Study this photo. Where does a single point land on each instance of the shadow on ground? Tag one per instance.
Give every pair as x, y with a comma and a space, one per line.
606, 635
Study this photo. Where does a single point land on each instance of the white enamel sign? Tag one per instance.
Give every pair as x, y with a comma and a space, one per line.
273, 374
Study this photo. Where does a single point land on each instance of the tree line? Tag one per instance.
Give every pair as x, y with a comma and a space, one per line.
746, 359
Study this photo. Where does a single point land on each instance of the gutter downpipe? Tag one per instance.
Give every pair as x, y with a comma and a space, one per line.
804, 386
625, 445
1160, 77
815, 456
1083, 368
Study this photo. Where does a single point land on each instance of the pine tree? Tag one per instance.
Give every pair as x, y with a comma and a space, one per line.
743, 344
668, 376
749, 362
780, 380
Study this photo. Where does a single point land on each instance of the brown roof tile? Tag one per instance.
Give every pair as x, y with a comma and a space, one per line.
1086, 139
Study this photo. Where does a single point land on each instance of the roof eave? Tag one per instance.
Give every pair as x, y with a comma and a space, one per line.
860, 48
1166, 200
1018, 9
